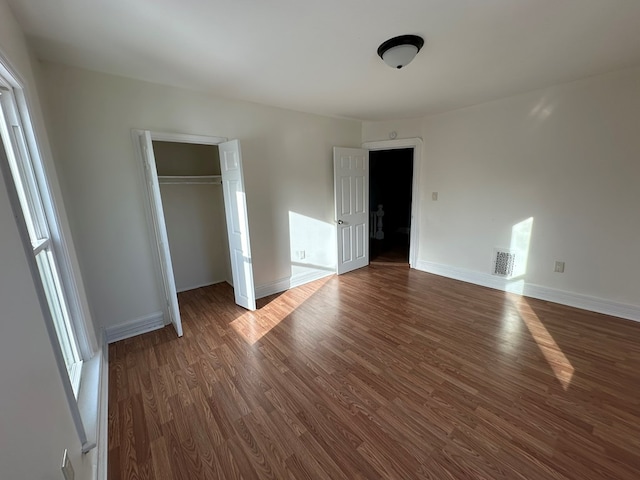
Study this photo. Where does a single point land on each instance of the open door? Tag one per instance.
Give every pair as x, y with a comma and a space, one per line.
351, 186
160, 229
235, 208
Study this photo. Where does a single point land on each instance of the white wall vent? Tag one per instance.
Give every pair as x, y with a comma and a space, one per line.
503, 262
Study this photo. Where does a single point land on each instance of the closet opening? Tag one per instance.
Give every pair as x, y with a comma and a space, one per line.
191, 192
197, 212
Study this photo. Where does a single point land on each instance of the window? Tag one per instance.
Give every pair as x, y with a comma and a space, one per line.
34, 198
52, 264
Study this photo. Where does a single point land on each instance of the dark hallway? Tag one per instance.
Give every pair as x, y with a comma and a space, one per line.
390, 185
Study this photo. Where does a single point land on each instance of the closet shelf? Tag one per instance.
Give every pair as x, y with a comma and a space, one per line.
190, 179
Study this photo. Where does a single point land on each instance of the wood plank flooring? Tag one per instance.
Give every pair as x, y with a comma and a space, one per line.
397, 255
380, 373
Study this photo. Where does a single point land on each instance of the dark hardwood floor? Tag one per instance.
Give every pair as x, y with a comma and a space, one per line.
380, 373
394, 253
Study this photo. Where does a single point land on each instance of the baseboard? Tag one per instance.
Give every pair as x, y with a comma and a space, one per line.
103, 413
156, 320
308, 277
135, 327
272, 288
463, 275
585, 302
200, 285
284, 284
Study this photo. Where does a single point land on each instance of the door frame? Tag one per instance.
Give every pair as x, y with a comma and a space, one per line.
164, 274
415, 143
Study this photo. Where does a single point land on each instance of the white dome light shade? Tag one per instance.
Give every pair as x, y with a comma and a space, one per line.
400, 56
399, 51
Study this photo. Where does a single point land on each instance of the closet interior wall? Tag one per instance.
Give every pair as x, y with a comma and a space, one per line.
194, 213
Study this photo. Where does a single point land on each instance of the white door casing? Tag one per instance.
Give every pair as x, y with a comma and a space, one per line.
160, 230
235, 208
416, 145
351, 190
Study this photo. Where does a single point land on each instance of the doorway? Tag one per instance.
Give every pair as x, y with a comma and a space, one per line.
390, 201
354, 227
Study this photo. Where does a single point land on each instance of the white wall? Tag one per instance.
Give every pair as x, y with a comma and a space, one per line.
35, 422
566, 156
287, 161
194, 215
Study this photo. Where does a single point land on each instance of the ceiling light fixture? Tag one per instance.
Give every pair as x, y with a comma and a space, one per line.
397, 52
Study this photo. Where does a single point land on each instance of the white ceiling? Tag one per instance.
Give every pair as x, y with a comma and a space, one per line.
321, 57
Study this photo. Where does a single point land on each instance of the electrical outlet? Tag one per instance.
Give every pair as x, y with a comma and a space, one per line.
434, 196
67, 468
559, 267
301, 254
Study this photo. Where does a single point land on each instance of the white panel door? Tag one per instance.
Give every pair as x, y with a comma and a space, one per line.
235, 209
351, 189
160, 229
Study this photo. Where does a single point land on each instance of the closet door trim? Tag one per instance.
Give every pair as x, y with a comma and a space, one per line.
186, 138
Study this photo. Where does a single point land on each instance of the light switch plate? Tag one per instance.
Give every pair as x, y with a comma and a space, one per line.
67, 468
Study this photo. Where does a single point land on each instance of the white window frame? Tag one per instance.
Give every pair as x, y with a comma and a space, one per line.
20, 157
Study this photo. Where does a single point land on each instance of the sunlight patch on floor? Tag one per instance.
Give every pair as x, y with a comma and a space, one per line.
559, 363
252, 326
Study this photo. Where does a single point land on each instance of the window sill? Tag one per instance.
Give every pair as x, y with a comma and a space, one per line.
75, 376
88, 398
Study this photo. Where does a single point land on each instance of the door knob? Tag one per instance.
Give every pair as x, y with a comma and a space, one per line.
340, 222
